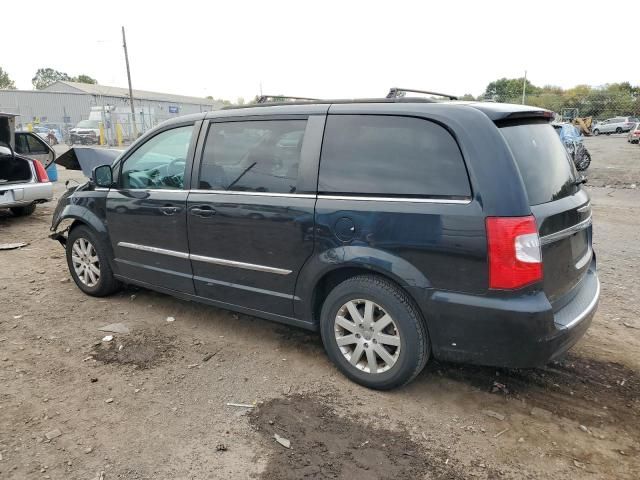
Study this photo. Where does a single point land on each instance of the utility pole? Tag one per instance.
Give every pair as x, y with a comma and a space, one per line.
133, 110
524, 86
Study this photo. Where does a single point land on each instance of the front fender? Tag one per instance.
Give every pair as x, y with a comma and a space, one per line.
87, 207
81, 214
349, 256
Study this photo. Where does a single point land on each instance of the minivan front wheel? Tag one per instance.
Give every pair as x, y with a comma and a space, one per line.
88, 263
373, 332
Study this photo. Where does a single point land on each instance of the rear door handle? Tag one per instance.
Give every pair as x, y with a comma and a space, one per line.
169, 210
202, 211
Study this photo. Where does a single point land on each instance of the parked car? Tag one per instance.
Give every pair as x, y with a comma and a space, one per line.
23, 179
634, 134
402, 229
615, 125
86, 132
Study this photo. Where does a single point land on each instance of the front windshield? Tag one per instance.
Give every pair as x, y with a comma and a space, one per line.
88, 124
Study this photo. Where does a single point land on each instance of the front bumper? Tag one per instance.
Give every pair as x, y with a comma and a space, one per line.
515, 332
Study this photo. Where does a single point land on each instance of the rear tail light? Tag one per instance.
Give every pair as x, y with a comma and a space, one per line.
515, 258
41, 173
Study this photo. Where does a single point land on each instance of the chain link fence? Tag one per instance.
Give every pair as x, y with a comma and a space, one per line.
593, 104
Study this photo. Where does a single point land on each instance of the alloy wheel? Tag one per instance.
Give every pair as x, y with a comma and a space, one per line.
85, 262
367, 336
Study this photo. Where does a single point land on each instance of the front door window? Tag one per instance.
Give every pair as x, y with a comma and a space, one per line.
160, 162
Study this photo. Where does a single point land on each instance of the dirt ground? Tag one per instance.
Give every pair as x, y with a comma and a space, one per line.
153, 403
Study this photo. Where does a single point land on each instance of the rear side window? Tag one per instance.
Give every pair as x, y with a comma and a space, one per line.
252, 156
390, 156
544, 163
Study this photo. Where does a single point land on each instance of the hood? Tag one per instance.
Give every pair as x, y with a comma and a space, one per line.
86, 159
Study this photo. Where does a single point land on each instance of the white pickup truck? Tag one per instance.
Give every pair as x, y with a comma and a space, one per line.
23, 179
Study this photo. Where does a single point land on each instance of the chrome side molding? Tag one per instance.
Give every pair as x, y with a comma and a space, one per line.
146, 248
202, 258
395, 199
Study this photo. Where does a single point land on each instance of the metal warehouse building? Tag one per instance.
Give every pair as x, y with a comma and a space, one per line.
66, 103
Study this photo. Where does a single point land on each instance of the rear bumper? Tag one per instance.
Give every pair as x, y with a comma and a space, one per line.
518, 332
21, 194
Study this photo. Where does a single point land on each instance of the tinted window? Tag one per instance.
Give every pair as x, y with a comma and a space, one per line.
159, 162
386, 155
29, 144
545, 166
36, 145
254, 156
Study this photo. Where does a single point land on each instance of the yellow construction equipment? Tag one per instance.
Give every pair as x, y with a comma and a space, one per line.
584, 124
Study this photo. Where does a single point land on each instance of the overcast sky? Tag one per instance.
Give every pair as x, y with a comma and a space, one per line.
321, 49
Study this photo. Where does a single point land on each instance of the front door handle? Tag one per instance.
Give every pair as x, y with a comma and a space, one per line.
169, 210
202, 211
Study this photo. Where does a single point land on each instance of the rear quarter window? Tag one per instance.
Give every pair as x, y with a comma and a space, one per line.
544, 164
390, 156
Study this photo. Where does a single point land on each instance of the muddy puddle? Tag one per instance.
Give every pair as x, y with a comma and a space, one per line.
578, 388
139, 349
326, 445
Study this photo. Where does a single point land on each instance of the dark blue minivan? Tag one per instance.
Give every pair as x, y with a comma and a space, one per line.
399, 228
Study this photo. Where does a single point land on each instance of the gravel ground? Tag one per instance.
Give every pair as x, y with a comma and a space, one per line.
73, 407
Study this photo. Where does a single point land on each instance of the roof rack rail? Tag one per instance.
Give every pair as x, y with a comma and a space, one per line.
395, 92
282, 98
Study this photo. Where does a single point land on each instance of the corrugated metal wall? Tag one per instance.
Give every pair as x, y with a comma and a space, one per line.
53, 107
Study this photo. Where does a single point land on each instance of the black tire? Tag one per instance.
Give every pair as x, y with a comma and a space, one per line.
414, 349
23, 211
618, 130
106, 283
584, 162
596, 132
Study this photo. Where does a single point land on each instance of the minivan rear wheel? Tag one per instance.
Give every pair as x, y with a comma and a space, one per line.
373, 332
88, 263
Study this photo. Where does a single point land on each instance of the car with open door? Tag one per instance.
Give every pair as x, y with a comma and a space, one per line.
23, 179
400, 228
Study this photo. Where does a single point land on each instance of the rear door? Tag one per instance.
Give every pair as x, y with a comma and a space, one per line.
146, 211
561, 208
250, 216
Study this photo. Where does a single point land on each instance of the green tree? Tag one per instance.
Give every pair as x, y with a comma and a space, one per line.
5, 81
85, 79
508, 89
48, 76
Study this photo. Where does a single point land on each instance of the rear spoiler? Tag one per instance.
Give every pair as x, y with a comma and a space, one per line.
87, 158
506, 112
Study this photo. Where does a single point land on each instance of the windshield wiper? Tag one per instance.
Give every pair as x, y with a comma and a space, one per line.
241, 175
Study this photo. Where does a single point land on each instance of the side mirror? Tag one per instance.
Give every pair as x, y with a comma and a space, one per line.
102, 176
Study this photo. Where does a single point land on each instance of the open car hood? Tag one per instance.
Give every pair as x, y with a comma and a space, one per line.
86, 158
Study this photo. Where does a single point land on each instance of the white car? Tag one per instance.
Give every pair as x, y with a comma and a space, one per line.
23, 179
615, 125
85, 132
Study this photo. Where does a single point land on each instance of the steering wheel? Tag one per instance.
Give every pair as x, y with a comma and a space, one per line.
173, 168
172, 174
